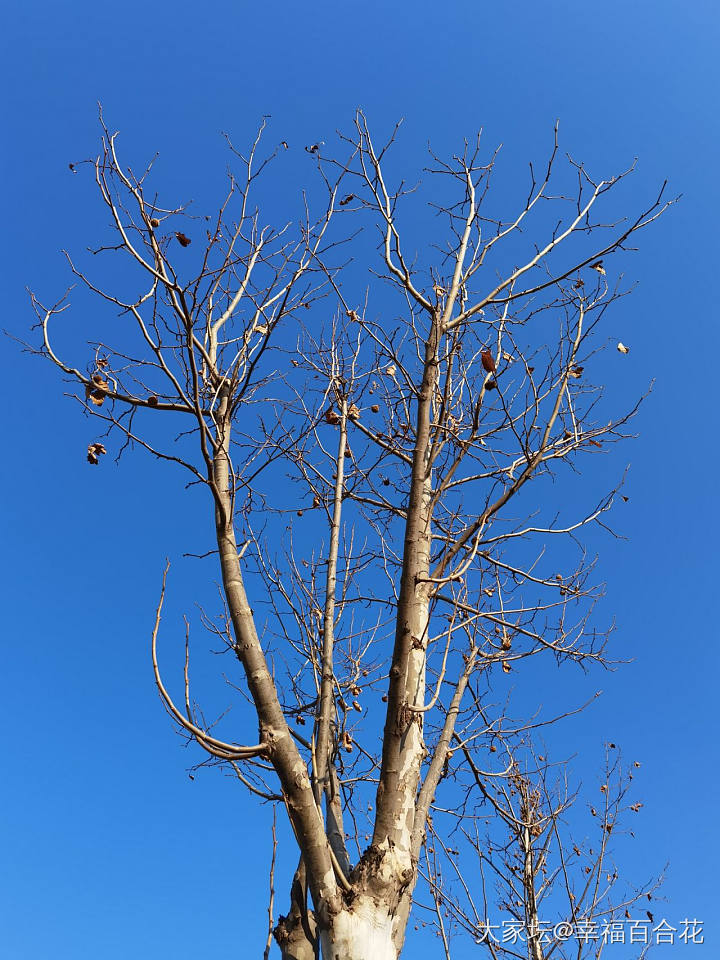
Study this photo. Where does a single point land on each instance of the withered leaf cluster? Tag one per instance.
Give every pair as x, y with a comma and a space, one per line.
94, 452
96, 390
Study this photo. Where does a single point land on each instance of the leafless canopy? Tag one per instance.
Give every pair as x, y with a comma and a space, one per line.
393, 464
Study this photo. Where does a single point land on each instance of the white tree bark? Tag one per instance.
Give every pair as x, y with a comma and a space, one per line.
364, 932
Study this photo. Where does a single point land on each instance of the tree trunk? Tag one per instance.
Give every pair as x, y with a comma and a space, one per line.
362, 932
365, 932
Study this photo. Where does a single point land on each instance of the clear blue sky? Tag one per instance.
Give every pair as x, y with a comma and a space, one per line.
109, 849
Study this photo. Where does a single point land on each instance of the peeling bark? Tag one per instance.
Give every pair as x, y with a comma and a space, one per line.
403, 747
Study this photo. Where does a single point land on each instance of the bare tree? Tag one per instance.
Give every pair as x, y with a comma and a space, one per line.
380, 459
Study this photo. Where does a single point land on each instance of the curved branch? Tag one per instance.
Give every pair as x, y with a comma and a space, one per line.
218, 748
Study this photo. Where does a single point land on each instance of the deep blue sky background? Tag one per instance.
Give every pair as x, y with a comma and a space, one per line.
109, 849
